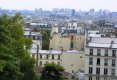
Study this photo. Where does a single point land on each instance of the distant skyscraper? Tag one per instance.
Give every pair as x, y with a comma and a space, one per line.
92, 11
36, 10
73, 12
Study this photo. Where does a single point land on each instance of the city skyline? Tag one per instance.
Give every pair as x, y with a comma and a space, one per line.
84, 5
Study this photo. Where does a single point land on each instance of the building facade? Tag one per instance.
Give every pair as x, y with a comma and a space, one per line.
101, 59
46, 56
36, 38
67, 42
72, 61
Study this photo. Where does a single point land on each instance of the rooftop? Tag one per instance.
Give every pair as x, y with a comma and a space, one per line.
45, 51
53, 51
32, 33
102, 42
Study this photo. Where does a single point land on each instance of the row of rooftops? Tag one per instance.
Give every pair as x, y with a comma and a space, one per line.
31, 33
27, 31
34, 24
100, 41
33, 51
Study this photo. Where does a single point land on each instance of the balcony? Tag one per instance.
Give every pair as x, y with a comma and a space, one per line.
113, 65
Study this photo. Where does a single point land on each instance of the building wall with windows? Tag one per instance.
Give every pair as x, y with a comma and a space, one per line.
46, 56
72, 61
101, 59
40, 26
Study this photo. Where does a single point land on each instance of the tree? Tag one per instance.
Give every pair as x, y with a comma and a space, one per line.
15, 61
26, 62
28, 42
9, 64
52, 72
45, 39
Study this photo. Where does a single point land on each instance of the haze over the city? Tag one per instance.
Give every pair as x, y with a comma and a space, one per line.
84, 5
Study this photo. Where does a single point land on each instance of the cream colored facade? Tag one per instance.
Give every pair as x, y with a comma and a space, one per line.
59, 42
72, 61
46, 56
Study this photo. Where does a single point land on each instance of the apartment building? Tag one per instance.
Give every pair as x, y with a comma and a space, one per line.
36, 38
72, 61
46, 56
40, 25
101, 58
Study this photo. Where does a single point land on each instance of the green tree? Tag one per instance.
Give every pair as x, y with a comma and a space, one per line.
26, 62
45, 39
28, 42
52, 72
9, 64
15, 61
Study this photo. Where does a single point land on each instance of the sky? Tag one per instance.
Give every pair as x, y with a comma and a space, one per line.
84, 5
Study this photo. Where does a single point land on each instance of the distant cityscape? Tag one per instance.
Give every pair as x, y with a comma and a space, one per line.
83, 42
64, 13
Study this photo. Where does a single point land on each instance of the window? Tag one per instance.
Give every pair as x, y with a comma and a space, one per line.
90, 61
47, 56
98, 52
105, 71
33, 55
105, 62
113, 72
97, 70
38, 38
40, 56
98, 61
52, 56
34, 38
91, 51
106, 52
58, 57
72, 71
113, 53
40, 63
113, 62
90, 70
97, 78
90, 77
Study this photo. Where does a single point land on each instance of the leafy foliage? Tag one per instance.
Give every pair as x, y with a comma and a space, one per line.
28, 42
9, 64
45, 39
15, 61
52, 72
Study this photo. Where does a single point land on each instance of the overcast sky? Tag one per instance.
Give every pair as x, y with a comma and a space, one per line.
49, 4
